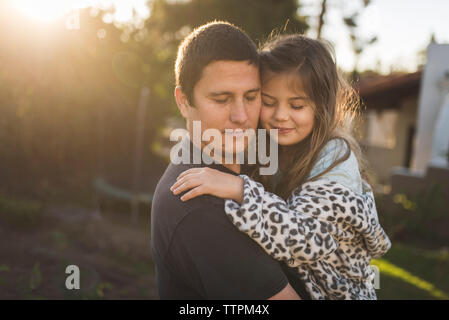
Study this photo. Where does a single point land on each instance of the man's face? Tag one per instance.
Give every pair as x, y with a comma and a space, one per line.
227, 97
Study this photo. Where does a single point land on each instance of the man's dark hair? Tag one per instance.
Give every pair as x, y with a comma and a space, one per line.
213, 41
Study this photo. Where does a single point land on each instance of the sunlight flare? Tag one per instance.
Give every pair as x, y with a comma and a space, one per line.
47, 10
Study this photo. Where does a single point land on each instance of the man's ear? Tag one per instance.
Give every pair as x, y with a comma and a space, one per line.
182, 102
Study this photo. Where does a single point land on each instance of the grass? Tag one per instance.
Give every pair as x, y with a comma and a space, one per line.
411, 273
19, 213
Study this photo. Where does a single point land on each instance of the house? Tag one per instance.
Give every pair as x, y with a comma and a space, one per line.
389, 121
405, 122
406, 140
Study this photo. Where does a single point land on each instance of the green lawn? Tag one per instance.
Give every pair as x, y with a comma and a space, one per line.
410, 273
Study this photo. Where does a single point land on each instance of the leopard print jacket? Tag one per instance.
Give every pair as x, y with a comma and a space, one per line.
324, 230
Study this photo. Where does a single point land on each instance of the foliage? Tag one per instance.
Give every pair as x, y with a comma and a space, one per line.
36, 277
257, 17
358, 43
415, 217
19, 213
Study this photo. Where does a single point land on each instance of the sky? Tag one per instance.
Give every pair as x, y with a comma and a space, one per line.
403, 27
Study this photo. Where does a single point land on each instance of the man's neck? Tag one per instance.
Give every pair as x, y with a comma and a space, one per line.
235, 167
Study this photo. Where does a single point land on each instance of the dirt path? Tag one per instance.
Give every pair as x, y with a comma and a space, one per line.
114, 257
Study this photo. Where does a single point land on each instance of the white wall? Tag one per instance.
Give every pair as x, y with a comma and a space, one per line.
430, 101
383, 157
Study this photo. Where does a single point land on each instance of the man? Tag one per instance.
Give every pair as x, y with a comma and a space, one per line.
197, 251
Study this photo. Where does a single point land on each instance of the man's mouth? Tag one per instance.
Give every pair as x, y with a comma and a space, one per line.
235, 132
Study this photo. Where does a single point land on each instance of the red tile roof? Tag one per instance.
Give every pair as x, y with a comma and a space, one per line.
388, 91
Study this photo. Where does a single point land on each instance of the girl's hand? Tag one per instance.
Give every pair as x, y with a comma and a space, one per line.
208, 181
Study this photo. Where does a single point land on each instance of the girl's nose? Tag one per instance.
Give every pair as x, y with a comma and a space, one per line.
280, 114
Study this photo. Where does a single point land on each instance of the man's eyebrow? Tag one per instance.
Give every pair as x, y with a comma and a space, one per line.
219, 93
222, 93
253, 90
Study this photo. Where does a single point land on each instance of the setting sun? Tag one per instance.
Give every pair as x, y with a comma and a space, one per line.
47, 10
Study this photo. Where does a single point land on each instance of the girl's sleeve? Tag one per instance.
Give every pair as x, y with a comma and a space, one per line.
377, 241
284, 233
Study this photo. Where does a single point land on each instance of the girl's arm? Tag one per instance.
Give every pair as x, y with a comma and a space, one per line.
284, 230
208, 181
305, 228
309, 225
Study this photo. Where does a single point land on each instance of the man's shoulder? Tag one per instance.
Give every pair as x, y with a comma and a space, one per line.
164, 199
168, 211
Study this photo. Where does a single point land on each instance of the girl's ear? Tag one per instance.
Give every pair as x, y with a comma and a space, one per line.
182, 102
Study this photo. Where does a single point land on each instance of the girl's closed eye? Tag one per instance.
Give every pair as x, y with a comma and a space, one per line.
297, 107
265, 103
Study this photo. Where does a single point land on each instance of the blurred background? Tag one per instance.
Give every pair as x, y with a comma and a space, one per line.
86, 106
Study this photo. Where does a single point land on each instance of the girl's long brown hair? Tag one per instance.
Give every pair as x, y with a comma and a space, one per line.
336, 108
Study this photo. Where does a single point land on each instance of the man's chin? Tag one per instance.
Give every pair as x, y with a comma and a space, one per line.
237, 147
229, 154
228, 151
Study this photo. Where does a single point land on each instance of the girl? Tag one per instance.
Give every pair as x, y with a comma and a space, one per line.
327, 228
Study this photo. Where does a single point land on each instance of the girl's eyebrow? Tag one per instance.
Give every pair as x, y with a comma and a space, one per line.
267, 95
293, 98
299, 98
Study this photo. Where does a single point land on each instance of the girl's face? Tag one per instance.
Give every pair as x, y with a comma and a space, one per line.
287, 109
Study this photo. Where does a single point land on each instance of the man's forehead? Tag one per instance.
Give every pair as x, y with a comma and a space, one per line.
231, 65
227, 75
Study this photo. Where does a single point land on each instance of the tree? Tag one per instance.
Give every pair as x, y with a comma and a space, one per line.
358, 43
321, 18
257, 17
68, 98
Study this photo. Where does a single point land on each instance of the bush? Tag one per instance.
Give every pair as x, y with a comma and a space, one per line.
423, 216
18, 213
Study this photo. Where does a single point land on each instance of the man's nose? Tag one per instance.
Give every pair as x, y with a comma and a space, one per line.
238, 113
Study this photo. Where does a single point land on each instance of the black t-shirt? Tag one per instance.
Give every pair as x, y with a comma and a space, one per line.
200, 254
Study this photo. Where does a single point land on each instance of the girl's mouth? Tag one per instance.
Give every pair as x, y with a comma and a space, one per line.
283, 131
